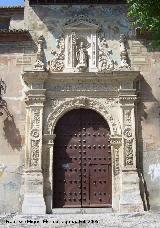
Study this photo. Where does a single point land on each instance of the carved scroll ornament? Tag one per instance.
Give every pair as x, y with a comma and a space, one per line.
57, 63
105, 60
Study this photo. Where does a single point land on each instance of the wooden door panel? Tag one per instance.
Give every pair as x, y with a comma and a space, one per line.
100, 194
81, 147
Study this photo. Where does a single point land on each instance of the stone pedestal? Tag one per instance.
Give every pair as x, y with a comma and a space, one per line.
33, 202
130, 200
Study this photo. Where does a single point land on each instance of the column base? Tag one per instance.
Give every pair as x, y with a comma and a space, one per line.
130, 200
33, 200
33, 204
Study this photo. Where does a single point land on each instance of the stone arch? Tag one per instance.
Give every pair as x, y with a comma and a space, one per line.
82, 102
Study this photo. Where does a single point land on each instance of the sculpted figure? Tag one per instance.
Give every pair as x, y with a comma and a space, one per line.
81, 55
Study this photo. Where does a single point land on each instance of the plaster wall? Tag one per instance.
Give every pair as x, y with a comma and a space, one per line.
16, 18
12, 130
149, 115
17, 21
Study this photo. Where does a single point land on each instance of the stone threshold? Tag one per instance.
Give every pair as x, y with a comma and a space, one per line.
81, 210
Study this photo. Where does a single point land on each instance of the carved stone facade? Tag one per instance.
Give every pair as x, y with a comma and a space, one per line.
121, 125
82, 74
83, 48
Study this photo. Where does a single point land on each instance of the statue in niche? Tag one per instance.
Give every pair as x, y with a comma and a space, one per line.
81, 56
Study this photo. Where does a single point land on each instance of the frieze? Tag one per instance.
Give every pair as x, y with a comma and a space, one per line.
81, 18
81, 86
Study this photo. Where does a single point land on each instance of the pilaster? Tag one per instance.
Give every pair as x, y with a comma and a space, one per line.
48, 145
33, 202
116, 148
130, 199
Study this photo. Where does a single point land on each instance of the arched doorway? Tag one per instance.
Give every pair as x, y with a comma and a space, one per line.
82, 166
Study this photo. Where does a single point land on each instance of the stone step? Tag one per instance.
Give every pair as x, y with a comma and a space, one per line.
102, 220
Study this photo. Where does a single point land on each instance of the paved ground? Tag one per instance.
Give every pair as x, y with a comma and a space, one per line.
104, 220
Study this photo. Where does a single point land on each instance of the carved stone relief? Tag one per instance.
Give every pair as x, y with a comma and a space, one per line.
128, 138
101, 106
35, 137
83, 47
57, 63
105, 61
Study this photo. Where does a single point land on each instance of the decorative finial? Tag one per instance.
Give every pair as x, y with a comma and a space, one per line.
39, 64
124, 52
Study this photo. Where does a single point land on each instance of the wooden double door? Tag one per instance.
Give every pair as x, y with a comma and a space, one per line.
82, 172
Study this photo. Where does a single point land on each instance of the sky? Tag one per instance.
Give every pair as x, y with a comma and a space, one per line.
11, 2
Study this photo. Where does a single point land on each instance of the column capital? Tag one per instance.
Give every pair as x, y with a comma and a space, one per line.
35, 78
116, 141
127, 97
49, 139
35, 97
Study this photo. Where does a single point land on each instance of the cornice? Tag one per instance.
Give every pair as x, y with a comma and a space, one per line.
44, 76
35, 96
6, 9
121, 75
30, 77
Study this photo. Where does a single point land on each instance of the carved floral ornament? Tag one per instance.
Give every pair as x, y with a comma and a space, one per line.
81, 102
83, 47
35, 136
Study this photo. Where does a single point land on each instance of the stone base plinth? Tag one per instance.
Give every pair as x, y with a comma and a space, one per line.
33, 204
130, 199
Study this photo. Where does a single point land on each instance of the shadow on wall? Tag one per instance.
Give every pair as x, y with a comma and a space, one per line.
12, 133
146, 95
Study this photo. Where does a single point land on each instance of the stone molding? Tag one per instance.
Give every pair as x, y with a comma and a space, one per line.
82, 102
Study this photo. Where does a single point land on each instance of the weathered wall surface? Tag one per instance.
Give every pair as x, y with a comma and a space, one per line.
48, 21
12, 130
149, 115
